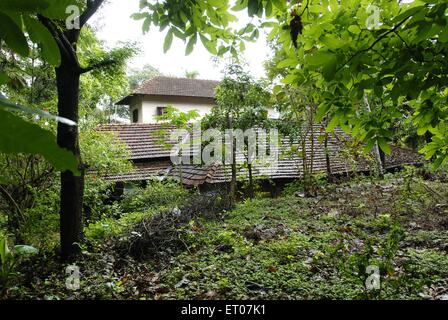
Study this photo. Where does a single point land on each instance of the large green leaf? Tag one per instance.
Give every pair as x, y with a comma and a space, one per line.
9, 106
384, 146
57, 9
3, 78
20, 136
40, 35
23, 5
4, 250
209, 45
253, 7
320, 58
13, 35
191, 44
25, 250
168, 41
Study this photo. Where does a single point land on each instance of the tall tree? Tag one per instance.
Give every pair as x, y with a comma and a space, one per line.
173, 118
191, 74
68, 75
241, 104
138, 76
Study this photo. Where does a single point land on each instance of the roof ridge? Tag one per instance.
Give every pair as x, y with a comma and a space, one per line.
182, 78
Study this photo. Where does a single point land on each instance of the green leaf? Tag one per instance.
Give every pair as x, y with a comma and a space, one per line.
290, 62
320, 58
253, 7
216, 3
240, 5
279, 4
139, 16
20, 136
40, 35
4, 250
369, 146
146, 25
329, 68
58, 9
209, 45
3, 78
13, 35
9, 106
168, 41
384, 146
322, 110
354, 29
190, 45
333, 124
443, 36
223, 50
25, 250
23, 5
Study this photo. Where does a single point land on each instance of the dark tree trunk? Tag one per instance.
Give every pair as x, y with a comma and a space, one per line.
233, 182
383, 158
72, 187
68, 80
251, 182
233, 150
327, 159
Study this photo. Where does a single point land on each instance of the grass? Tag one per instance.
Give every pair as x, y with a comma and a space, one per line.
288, 248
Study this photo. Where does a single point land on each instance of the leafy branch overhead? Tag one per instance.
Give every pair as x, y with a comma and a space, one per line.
18, 25
209, 22
351, 48
42, 23
393, 52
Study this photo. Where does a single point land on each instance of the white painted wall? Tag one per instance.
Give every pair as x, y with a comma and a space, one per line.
147, 107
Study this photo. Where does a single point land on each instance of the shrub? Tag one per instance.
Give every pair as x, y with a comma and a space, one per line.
156, 194
165, 231
9, 259
97, 192
40, 227
110, 227
299, 186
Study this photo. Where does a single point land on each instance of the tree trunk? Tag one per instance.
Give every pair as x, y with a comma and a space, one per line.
376, 148
305, 167
181, 179
251, 182
327, 158
233, 150
72, 187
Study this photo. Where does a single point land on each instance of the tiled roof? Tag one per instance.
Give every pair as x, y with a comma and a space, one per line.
181, 87
290, 166
142, 142
143, 171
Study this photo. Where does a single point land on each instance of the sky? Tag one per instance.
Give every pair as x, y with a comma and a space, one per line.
114, 24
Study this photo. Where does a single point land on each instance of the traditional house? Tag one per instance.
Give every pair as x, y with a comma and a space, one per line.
152, 97
152, 159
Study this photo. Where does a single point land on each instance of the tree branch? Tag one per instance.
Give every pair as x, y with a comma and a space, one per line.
306, 7
101, 64
64, 44
384, 35
92, 7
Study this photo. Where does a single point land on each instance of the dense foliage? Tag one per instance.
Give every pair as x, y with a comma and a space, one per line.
375, 68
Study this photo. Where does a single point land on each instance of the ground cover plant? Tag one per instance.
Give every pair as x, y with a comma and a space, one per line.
290, 247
